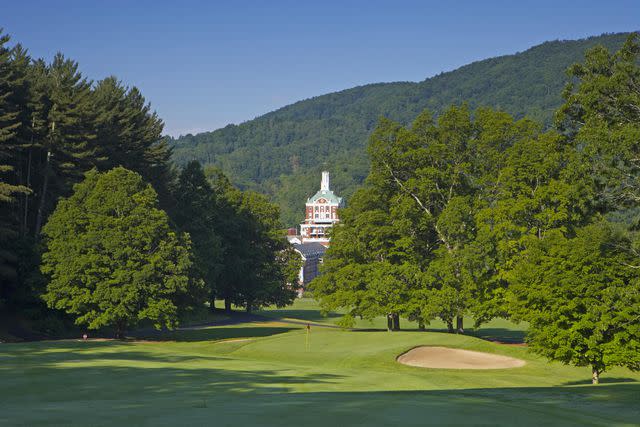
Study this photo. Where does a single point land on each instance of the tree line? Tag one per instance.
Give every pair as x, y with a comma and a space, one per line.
477, 214
97, 222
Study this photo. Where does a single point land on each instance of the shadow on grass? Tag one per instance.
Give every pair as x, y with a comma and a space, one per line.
500, 335
308, 315
213, 333
604, 380
58, 356
191, 395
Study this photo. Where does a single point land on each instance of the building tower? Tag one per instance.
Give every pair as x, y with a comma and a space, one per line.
321, 213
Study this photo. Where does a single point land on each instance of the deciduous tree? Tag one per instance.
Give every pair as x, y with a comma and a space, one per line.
112, 258
581, 297
195, 213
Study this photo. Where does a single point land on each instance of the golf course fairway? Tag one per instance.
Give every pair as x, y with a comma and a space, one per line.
272, 373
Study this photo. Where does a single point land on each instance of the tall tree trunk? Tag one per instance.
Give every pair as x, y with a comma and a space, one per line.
45, 184
421, 325
460, 325
25, 208
120, 328
396, 322
227, 305
595, 375
212, 303
25, 213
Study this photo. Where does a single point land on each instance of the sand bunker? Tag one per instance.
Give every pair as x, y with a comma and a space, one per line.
453, 358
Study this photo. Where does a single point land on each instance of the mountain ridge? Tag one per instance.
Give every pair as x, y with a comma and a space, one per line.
281, 152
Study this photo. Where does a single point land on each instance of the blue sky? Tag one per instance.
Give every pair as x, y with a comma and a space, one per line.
203, 65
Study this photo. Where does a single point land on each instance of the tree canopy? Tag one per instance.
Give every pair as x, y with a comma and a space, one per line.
112, 258
420, 214
581, 296
259, 267
55, 127
478, 214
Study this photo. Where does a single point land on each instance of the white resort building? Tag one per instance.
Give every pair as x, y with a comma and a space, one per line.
321, 213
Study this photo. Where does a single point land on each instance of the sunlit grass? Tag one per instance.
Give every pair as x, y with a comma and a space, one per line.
272, 373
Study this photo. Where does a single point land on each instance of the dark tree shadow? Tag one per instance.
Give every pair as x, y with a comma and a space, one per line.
233, 395
506, 336
604, 380
502, 335
211, 333
308, 315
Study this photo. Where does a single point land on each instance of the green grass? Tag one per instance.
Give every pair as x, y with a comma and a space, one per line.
308, 310
221, 376
203, 315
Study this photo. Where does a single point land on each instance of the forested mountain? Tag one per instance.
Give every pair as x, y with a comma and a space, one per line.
281, 153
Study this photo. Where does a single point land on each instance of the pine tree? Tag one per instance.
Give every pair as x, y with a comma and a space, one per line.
35, 105
9, 124
69, 147
10, 187
129, 135
54, 127
21, 96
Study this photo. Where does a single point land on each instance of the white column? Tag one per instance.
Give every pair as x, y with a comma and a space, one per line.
324, 184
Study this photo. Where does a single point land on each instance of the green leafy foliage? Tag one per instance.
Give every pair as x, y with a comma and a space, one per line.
582, 298
601, 114
259, 268
196, 213
55, 125
111, 256
487, 216
408, 243
264, 278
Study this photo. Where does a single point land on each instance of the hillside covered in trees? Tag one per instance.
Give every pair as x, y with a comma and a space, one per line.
282, 153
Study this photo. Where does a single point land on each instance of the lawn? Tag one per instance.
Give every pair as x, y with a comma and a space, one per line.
272, 373
308, 309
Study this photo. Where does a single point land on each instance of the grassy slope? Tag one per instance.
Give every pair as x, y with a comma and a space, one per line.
340, 378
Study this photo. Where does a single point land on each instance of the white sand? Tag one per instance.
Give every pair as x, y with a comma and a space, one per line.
453, 358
